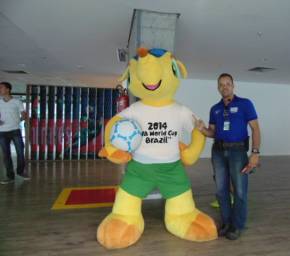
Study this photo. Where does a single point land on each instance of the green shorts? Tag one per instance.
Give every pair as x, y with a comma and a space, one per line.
170, 178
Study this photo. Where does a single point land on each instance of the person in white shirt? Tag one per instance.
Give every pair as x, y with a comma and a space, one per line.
11, 114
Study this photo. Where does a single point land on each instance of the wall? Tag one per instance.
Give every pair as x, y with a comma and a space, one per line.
271, 102
18, 88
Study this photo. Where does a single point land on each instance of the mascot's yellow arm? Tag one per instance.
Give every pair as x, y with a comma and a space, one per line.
191, 153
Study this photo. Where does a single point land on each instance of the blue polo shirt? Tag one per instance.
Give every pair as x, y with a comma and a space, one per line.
231, 121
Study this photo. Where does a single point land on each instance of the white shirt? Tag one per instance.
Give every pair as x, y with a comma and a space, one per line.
162, 128
10, 112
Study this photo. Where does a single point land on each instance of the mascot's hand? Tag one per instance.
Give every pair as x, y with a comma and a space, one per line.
185, 156
115, 155
182, 148
190, 154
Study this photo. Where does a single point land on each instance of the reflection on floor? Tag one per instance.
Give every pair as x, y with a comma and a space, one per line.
28, 226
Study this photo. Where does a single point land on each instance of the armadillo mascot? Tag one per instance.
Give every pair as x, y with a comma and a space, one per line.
153, 76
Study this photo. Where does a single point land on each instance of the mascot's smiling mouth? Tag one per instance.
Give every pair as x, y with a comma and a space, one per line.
152, 87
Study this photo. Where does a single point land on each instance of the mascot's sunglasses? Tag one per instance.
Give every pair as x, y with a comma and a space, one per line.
156, 52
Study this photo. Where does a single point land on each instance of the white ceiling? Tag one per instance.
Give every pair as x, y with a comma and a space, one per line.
75, 41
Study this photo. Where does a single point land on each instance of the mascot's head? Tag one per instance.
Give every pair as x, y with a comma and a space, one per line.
154, 75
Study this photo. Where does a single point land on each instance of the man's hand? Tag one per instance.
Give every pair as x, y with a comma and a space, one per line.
199, 124
206, 131
254, 160
24, 116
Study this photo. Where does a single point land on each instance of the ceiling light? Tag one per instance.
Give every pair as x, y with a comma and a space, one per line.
261, 69
15, 71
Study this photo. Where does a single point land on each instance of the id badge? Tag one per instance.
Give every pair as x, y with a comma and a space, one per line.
226, 125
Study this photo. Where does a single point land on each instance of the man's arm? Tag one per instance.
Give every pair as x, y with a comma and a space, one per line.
210, 131
256, 135
256, 141
21, 109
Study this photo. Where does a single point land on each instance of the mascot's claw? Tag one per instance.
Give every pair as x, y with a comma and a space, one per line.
120, 157
115, 232
195, 227
182, 146
201, 229
117, 156
103, 153
185, 156
184, 153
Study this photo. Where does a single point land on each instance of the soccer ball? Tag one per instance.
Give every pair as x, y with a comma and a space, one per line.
126, 135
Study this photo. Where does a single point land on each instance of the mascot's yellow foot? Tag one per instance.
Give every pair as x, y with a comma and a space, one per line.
118, 231
182, 219
192, 226
124, 226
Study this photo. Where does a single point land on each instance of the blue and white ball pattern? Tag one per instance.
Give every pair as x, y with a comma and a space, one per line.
126, 135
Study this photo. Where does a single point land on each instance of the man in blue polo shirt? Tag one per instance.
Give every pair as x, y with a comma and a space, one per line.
228, 124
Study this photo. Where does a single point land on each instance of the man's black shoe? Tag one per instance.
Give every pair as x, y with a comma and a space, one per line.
224, 229
233, 233
6, 181
24, 176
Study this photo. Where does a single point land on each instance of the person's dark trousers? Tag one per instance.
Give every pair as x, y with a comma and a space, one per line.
227, 165
5, 140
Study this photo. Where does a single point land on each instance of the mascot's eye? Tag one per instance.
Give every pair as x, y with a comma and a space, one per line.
175, 69
128, 80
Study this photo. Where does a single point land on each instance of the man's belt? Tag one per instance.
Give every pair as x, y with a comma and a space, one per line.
222, 145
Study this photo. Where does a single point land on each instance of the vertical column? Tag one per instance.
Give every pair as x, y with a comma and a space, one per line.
92, 123
67, 123
114, 103
59, 123
84, 124
50, 123
76, 123
34, 123
99, 120
27, 123
152, 30
107, 106
42, 123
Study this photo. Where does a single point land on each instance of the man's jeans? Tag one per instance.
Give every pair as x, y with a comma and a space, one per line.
5, 140
227, 165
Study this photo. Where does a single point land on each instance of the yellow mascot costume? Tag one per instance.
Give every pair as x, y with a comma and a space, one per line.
153, 76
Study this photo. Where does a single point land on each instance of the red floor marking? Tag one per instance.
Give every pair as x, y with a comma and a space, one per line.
91, 196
